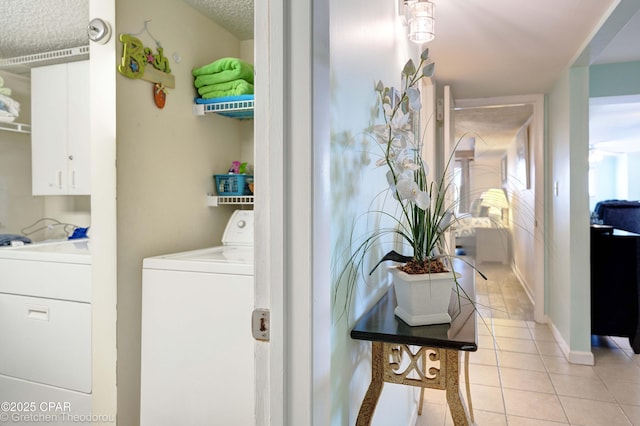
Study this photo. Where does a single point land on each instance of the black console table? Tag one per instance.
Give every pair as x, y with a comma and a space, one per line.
615, 283
433, 364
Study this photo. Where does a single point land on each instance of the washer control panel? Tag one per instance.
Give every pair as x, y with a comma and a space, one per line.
239, 230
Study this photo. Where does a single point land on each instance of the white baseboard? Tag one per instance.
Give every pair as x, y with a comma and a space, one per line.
523, 283
574, 357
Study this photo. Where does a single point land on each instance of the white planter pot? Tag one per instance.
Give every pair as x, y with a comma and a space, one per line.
423, 299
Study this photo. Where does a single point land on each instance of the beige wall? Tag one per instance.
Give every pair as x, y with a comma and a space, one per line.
18, 208
165, 160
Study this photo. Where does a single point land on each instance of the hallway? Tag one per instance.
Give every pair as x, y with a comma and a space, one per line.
521, 377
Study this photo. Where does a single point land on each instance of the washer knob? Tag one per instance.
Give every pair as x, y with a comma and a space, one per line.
242, 224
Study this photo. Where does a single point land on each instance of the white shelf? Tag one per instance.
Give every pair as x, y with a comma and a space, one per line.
235, 109
22, 65
214, 200
15, 127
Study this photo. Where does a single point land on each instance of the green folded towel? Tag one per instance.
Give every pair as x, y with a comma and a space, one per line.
229, 88
4, 90
223, 70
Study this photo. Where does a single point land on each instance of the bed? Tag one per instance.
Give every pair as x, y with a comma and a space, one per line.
464, 230
480, 216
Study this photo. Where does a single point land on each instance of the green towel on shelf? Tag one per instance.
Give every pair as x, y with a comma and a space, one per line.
223, 70
4, 90
229, 88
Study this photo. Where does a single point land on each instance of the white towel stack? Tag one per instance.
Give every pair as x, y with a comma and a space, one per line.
9, 108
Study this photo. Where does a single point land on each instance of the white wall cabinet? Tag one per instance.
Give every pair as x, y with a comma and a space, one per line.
60, 145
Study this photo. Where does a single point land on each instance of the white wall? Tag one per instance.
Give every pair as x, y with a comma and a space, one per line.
165, 161
522, 211
633, 164
368, 44
484, 173
568, 245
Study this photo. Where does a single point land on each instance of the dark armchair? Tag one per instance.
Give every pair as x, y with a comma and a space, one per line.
621, 214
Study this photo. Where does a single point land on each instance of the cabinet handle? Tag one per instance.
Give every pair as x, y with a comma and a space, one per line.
60, 179
73, 179
38, 312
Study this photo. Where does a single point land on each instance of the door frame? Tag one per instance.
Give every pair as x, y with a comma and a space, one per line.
538, 136
269, 208
292, 244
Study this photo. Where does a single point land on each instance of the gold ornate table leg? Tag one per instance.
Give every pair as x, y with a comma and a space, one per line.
426, 368
468, 385
457, 408
375, 388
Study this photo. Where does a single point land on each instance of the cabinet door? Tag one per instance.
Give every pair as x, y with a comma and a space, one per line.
78, 145
49, 129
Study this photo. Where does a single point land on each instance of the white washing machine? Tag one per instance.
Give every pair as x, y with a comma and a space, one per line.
197, 346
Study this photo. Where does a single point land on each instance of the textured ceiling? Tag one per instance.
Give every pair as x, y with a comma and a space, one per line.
37, 26
482, 48
30, 26
235, 16
493, 128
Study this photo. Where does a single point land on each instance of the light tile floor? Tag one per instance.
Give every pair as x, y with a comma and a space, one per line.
519, 376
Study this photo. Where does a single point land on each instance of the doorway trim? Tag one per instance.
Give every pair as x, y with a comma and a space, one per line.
539, 154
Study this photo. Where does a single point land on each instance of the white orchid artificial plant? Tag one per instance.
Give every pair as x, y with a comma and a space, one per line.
425, 214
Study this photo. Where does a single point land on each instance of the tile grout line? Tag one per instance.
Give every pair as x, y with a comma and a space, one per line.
495, 352
548, 373
617, 402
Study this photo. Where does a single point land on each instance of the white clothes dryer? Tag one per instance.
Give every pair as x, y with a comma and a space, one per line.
197, 346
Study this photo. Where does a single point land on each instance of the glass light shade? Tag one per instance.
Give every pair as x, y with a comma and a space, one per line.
421, 21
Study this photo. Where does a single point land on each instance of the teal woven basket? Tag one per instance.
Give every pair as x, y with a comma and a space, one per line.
230, 184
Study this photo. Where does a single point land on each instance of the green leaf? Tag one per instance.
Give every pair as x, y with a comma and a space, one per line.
409, 68
429, 70
425, 54
379, 86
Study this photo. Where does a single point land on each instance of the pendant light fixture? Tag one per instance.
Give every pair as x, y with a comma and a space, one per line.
419, 15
